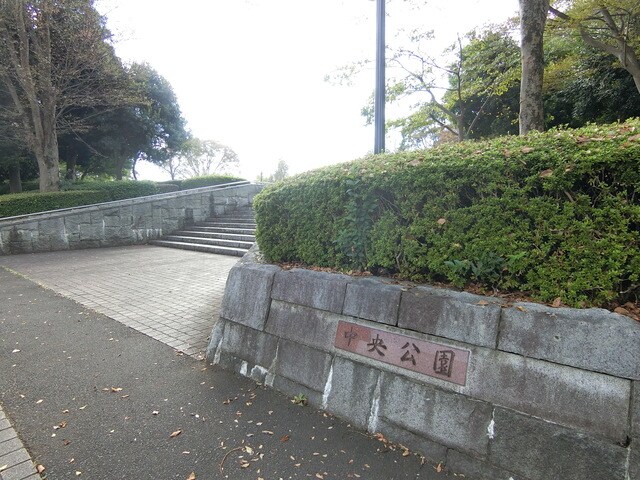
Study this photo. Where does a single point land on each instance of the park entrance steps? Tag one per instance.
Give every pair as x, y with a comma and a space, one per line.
229, 234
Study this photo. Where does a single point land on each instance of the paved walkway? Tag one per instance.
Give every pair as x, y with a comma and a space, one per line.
169, 294
92, 398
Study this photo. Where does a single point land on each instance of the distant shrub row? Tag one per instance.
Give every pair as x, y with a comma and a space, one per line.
32, 202
28, 186
554, 214
89, 192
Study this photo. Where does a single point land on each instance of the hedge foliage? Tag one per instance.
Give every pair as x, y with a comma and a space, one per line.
28, 186
118, 190
32, 202
554, 214
207, 181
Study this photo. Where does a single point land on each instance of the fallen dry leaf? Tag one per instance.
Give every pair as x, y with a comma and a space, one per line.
318, 475
268, 432
482, 303
175, 434
284, 438
40, 468
116, 389
439, 468
78, 473
442, 221
557, 302
192, 476
546, 173
522, 309
39, 402
527, 149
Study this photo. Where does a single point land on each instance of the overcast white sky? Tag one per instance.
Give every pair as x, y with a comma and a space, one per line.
250, 73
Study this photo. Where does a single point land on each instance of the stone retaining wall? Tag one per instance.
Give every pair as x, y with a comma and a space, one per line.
123, 222
550, 393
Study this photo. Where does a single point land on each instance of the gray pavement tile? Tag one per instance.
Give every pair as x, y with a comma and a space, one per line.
10, 446
19, 471
14, 458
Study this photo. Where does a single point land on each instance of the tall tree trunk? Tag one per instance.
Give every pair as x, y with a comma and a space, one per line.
48, 158
533, 16
71, 167
15, 182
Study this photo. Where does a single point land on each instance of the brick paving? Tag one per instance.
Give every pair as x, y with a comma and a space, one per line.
15, 462
170, 295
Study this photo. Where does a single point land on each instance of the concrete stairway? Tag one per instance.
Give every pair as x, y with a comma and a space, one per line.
229, 234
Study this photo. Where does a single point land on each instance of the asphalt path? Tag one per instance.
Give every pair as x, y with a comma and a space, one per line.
92, 398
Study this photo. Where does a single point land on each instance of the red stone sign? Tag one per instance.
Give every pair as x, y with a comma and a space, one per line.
429, 358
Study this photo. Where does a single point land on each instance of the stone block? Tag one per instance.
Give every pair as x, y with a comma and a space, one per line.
443, 417
255, 347
112, 220
51, 227
542, 450
373, 299
455, 315
292, 389
466, 466
634, 460
215, 339
99, 214
351, 391
321, 290
578, 398
593, 339
315, 328
58, 242
91, 231
304, 365
435, 453
247, 295
635, 411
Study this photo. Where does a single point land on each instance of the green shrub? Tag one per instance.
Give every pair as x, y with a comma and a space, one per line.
118, 190
28, 186
164, 187
208, 181
554, 214
25, 203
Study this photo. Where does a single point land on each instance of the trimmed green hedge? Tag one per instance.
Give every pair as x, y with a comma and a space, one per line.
208, 181
25, 203
554, 214
28, 186
118, 190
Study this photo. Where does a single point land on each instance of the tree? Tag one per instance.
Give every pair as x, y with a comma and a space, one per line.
611, 26
53, 57
282, 171
198, 158
533, 17
163, 126
113, 140
482, 78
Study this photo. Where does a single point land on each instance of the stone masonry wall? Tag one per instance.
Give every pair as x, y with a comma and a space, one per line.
123, 222
550, 393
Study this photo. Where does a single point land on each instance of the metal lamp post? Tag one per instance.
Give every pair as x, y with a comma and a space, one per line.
380, 78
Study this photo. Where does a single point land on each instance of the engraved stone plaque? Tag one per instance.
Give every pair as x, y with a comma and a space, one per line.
429, 358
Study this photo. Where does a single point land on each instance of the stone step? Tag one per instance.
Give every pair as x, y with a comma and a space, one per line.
198, 247
225, 236
226, 225
208, 241
239, 231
